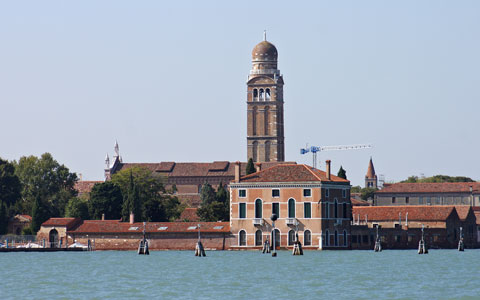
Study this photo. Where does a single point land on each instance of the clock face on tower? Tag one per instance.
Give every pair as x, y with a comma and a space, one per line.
265, 135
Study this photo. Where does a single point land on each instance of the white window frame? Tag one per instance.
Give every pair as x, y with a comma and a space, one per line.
278, 193
310, 193
239, 195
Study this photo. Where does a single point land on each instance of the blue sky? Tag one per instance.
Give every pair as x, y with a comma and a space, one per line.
167, 80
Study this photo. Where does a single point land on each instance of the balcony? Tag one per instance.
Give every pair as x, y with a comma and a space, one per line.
291, 221
258, 222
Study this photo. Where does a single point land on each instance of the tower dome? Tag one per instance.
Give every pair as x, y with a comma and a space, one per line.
264, 51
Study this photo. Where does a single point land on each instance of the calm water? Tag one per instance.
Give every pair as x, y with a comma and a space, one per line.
442, 274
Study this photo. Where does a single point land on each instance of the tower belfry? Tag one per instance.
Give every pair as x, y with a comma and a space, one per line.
265, 135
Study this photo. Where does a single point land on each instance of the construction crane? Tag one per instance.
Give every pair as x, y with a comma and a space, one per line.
315, 149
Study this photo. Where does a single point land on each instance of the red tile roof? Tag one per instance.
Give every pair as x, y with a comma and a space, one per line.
359, 202
415, 212
463, 211
189, 214
109, 226
195, 169
85, 186
443, 187
26, 217
291, 173
67, 222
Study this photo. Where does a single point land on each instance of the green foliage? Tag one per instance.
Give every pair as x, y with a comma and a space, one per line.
3, 218
217, 209
438, 178
10, 187
77, 208
39, 214
368, 193
250, 167
207, 194
44, 177
356, 189
342, 173
27, 231
131, 202
105, 198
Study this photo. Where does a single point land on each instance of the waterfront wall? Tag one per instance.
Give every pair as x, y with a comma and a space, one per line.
163, 241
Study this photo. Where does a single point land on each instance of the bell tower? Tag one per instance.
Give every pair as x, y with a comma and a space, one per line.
265, 135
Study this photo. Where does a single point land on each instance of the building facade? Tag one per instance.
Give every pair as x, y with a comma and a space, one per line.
400, 227
265, 125
445, 193
311, 202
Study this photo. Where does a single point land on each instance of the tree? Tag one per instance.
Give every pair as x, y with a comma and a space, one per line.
39, 214
3, 218
105, 198
154, 203
44, 177
131, 202
250, 167
216, 208
77, 208
368, 193
355, 189
10, 186
342, 173
10, 195
207, 194
438, 178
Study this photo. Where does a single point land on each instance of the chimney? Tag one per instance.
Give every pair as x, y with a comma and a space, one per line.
237, 171
258, 167
103, 217
132, 218
328, 169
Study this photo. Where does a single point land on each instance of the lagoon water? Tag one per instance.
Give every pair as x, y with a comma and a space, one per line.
442, 274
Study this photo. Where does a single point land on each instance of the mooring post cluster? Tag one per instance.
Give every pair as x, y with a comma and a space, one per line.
461, 244
422, 245
297, 245
199, 250
143, 245
378, 243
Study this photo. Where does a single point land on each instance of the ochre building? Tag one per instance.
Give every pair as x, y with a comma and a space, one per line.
312, 202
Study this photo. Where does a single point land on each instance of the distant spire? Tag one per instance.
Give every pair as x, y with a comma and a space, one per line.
265, 35
117, 150
371, 169
107, 161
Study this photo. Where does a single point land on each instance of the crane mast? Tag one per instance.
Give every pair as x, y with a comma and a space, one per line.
316, 149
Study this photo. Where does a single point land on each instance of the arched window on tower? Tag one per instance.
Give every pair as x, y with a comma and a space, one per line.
267, 95
255, 95
335, 208
254, 120
266, 120
254, 150
261, 93
267, 151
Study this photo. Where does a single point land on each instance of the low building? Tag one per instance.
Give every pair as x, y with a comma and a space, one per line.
18, 223
400, 227
117, 235
315, 203
446, 193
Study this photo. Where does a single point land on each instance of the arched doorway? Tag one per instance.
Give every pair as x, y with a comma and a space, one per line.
277, 239
53, 238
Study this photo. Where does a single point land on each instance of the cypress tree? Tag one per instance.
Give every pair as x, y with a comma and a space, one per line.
3, 218
39, 214
342, 173
250, 167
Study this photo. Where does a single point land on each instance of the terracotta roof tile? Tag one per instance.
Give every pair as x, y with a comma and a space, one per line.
415, 212
371, 170
67, 222
463, 211
477, 216
291, 173
189, 214
359, 202
98, 226
444, 187
85, 186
